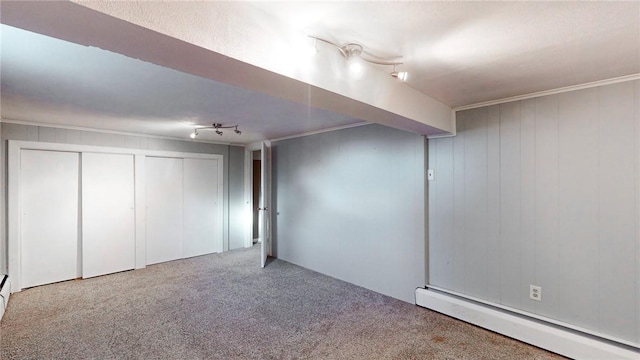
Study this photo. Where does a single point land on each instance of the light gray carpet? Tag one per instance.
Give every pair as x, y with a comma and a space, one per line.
223, 306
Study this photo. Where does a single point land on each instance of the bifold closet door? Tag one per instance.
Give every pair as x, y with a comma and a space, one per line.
108, 215
202, 218
164, 209
49, 202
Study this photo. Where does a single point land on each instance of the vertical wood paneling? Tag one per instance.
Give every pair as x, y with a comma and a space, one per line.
546, 212
637, 152
578, 206
91, 138
32, 133
433, 272
527, 202
493, 203
74, 136
617, 218
459, 260
14, 132
637, 167
560, 200
46, 134
443, 224
61, 135
475, 207
510, 246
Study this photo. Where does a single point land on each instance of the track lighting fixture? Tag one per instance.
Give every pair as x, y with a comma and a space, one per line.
216, 127
354, 53
401, 75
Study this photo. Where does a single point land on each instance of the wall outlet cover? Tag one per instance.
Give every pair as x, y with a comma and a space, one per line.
535, 292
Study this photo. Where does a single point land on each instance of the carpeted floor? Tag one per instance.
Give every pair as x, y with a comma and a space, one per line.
223, 306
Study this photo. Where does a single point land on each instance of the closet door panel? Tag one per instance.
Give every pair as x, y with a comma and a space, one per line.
49, 202
164, 209
202, 221
108, 217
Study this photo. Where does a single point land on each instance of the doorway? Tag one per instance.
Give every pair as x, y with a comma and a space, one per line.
257, 184
256, 192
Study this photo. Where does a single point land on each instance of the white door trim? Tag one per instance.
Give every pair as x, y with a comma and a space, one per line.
248, 191
13, 198
248, 199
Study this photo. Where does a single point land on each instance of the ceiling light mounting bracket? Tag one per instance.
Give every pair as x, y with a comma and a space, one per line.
352, 49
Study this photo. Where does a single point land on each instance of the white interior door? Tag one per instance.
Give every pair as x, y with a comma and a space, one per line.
265, 203
108, 215
164, 209
202, 216
49, 192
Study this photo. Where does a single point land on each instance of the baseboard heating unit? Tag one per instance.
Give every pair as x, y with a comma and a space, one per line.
531, 330
5, 291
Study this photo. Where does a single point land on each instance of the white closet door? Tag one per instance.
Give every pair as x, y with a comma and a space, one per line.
202, 220
164, 209
49, 186
108, 218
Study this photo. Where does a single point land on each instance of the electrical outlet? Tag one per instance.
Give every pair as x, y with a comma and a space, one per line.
535, 293
430, 174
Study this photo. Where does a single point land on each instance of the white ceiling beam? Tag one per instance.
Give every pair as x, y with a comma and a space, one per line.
231, 42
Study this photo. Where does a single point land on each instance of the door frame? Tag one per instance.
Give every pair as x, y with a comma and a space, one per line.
14, 229
248, 191
265, 201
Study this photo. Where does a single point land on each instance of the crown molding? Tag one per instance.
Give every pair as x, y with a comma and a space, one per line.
550, 92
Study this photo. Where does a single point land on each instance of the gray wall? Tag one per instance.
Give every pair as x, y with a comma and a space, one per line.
236, 197
350, 204
233, 160
544, 191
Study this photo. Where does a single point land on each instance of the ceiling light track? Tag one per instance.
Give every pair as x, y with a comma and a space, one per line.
352, 50
216, 127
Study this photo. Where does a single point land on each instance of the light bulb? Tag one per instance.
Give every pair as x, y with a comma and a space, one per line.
194, 134
356, 67
402, 75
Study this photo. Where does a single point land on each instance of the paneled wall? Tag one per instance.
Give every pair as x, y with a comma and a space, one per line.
544, 191
233, 159
350, 204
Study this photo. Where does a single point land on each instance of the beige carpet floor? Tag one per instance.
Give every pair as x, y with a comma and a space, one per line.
224, 306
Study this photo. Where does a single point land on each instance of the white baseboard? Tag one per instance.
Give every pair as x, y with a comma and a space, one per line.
553, 338
5, 292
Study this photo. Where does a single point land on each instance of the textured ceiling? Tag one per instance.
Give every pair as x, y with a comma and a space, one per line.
462, 53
